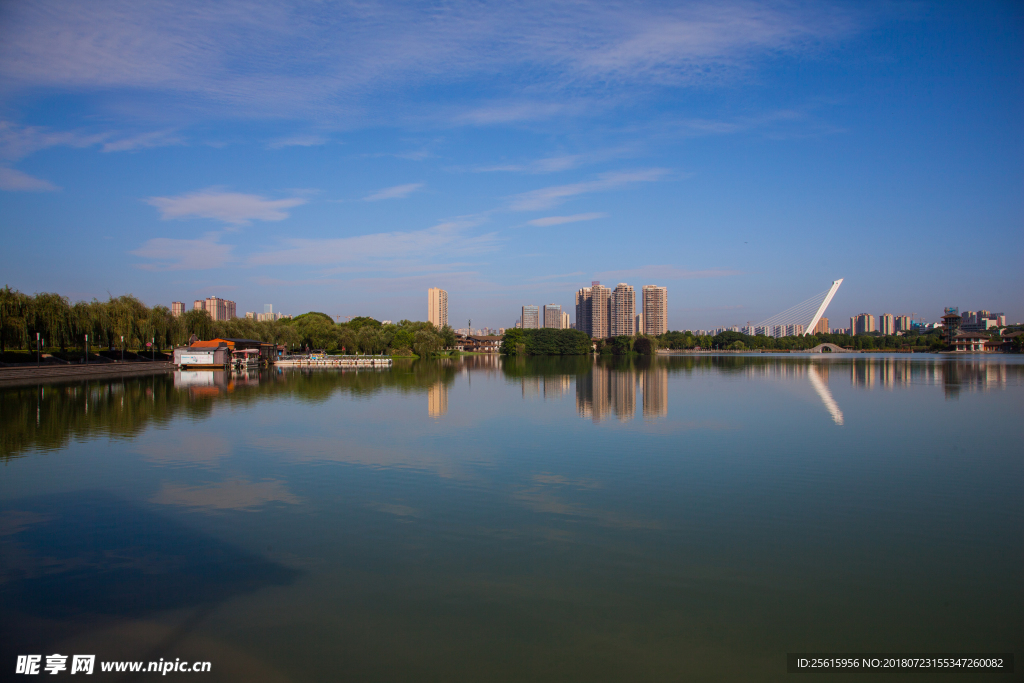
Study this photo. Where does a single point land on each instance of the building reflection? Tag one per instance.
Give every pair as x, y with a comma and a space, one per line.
655, 391
437, 400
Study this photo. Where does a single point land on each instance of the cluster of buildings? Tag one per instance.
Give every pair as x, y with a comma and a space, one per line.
219, 309
267, 315
603, 312
552, 315
224, 309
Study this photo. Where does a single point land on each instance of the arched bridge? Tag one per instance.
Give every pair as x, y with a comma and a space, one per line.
828, 348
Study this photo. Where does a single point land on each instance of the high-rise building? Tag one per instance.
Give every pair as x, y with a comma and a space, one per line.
565, 321
887, 323
903, 323
437, 307
655, 310
531, 317
553, 316
177, 308
583, 298
862, 324
219, 309
600, 311
268, 308
821, 327
623, 311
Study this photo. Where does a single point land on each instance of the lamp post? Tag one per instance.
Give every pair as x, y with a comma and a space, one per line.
122, 348
39, 351
153, 348
86, 349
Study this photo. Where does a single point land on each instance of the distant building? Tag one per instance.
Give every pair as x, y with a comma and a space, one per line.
566, 324
531, 317
887, 324
821, 327
623, 311
553, 316
177, 308
980, 321
437, 307
863, 323
249, 315
902, 323
655, 310
219, 309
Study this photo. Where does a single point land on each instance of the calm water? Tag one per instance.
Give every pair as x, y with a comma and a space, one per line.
543, 520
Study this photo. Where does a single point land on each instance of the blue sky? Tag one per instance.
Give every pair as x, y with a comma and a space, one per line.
345, 157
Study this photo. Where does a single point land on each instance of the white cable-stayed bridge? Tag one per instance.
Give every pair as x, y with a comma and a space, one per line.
796, 320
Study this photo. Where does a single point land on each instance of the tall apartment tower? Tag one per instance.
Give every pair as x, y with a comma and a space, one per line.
531, 317
565, 321
655, 307
821, 327
903, 323
177, 308
862, 324
553, 316
623, 311
219, 309
437, 307
887, 323
600, 311
583, 298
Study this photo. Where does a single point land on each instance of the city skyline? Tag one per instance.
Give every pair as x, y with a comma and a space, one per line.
750, 152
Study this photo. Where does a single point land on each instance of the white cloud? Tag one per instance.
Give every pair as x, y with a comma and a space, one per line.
231, 207
182, 254
547, 197
396, 192
560, 220
299, 141
13, 180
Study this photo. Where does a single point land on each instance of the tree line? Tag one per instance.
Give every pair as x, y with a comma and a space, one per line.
552, 342
126, 322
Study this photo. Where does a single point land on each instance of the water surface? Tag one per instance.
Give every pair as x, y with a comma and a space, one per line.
680, 518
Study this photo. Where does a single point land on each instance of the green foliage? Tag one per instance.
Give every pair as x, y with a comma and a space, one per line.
644, 346
545, 342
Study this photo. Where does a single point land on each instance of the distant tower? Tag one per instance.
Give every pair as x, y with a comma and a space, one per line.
951, 321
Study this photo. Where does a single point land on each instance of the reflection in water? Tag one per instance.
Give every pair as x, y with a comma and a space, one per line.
75, 557
437, 400
655, 388
821, 388
49, 416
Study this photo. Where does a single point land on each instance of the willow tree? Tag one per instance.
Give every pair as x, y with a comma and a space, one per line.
52, 319
14, 310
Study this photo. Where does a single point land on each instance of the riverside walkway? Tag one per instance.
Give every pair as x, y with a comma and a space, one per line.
26, 375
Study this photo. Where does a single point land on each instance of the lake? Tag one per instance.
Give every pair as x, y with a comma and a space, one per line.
548, 519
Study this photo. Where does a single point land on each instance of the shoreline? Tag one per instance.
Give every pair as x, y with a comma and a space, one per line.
21, 376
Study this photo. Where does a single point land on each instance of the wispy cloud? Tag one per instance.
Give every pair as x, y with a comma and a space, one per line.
309, 59
666, 273
396, 192
159, 138
380, 249
559, 220
234, 208
181, 254
18, 141
547, 197
13, 180
298, 141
